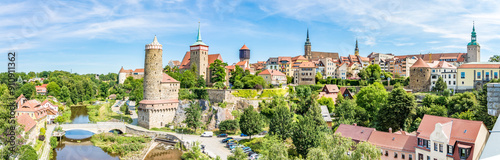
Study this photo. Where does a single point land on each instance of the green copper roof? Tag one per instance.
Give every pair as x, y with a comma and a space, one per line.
473, 40
198, 39
307, 39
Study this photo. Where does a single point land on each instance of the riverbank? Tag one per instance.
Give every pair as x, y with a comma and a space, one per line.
124, 146
104, 113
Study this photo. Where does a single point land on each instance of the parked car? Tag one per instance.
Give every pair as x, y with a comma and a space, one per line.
226, 139
243, 135
254, 156
207, 134
233, 141
222, 135
230, 144
263, 133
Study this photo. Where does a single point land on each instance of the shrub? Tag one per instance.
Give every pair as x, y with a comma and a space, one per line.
53, 142
245, 93
41, 137
273, 93
200, 94
42, 131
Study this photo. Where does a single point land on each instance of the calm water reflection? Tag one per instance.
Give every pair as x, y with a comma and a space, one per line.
76, 145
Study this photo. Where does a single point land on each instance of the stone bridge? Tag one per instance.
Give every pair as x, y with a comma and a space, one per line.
104, 127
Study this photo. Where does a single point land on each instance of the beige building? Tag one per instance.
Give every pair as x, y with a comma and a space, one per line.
124, 73
273, 77
306, 74
473, 75
330, 67
449, 138
341, 71
394, 146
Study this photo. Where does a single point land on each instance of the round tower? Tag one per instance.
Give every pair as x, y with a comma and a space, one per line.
153, 70
420, 76
244, 53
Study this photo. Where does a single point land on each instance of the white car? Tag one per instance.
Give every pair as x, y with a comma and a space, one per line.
207, 134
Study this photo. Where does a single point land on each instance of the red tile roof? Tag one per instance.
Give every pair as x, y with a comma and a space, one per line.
27, 121
186, 61
244, 47
139, 70
356, 133
491, 65
307, 65
442, 64
271, 72
289, 59
461, 130
125, 71
331, 88
299, 58
420, 63
437, 56
167, 79
213, 57
393, 141
241, 63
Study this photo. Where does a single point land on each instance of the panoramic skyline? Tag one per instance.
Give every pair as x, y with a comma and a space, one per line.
100, 37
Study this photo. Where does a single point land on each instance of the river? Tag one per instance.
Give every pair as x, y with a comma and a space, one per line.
76, 144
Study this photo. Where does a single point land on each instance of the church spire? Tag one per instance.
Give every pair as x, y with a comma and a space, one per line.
473, 35
308, 43
198, 38
356, 50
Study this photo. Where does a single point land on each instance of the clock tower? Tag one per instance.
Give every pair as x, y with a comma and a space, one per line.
473, 48
199, 56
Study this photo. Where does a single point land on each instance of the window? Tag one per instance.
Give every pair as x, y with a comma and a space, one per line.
386, 153
441, 148
410, 157
495, 75
402, 156
450, 149
464, 152
395, 155
478, 74
462, 75
435, 146
487, 75
428, 157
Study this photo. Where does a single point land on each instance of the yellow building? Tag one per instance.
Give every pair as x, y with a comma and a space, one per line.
473, 75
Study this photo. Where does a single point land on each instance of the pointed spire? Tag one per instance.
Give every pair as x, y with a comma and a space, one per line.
155, 40
473, 26
356, 50
198, 39
308, 43
473, 35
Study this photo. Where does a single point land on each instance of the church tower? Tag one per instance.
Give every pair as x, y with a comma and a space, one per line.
356, 50
473, 48
307, 47
199, 55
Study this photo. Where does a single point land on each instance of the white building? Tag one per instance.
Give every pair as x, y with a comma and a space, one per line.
445, 70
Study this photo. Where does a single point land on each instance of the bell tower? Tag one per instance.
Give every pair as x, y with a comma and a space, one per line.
356, 50
307, 47
473, 48
199, 55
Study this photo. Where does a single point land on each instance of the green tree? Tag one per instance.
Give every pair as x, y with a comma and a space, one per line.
53, 89
218, 71
289, 79
28, 90
238, 84
440, 85
400, 108
219, 85
494, 58
373, 72
282, 122
230, 125
250, 122
200, 82
27, 153
188, 79
328, 102
306, 134
461, 102
371, 98
195, 153
365, 150
193, 116
53, 142
363, 74
317, 154
238, 155
318, 76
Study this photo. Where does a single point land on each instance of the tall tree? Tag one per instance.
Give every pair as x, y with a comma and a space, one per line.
188, 79
398, 111
230, 125
281, 123
28, 90
371, 98
440, 85
251, 122
193, 116
494, 58
218, 71
306, 134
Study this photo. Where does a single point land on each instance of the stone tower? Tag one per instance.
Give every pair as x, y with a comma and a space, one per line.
244, 53
473, 48
199, 56
420, 76
153, 70
307, 47
356, 50
160, 101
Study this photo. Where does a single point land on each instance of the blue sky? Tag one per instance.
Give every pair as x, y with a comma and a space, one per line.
102, 36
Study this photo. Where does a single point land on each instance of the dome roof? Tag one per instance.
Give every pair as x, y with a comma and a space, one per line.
420, 63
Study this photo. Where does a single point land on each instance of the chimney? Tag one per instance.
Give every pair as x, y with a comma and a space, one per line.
355, 124
390, 130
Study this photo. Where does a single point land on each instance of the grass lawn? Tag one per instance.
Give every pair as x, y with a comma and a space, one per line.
103, 113
38, 145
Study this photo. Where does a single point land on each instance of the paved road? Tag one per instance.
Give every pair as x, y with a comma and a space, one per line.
47, 148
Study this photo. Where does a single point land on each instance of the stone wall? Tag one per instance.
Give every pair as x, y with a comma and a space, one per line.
157, 117
493, 99
220, 95
420, 79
